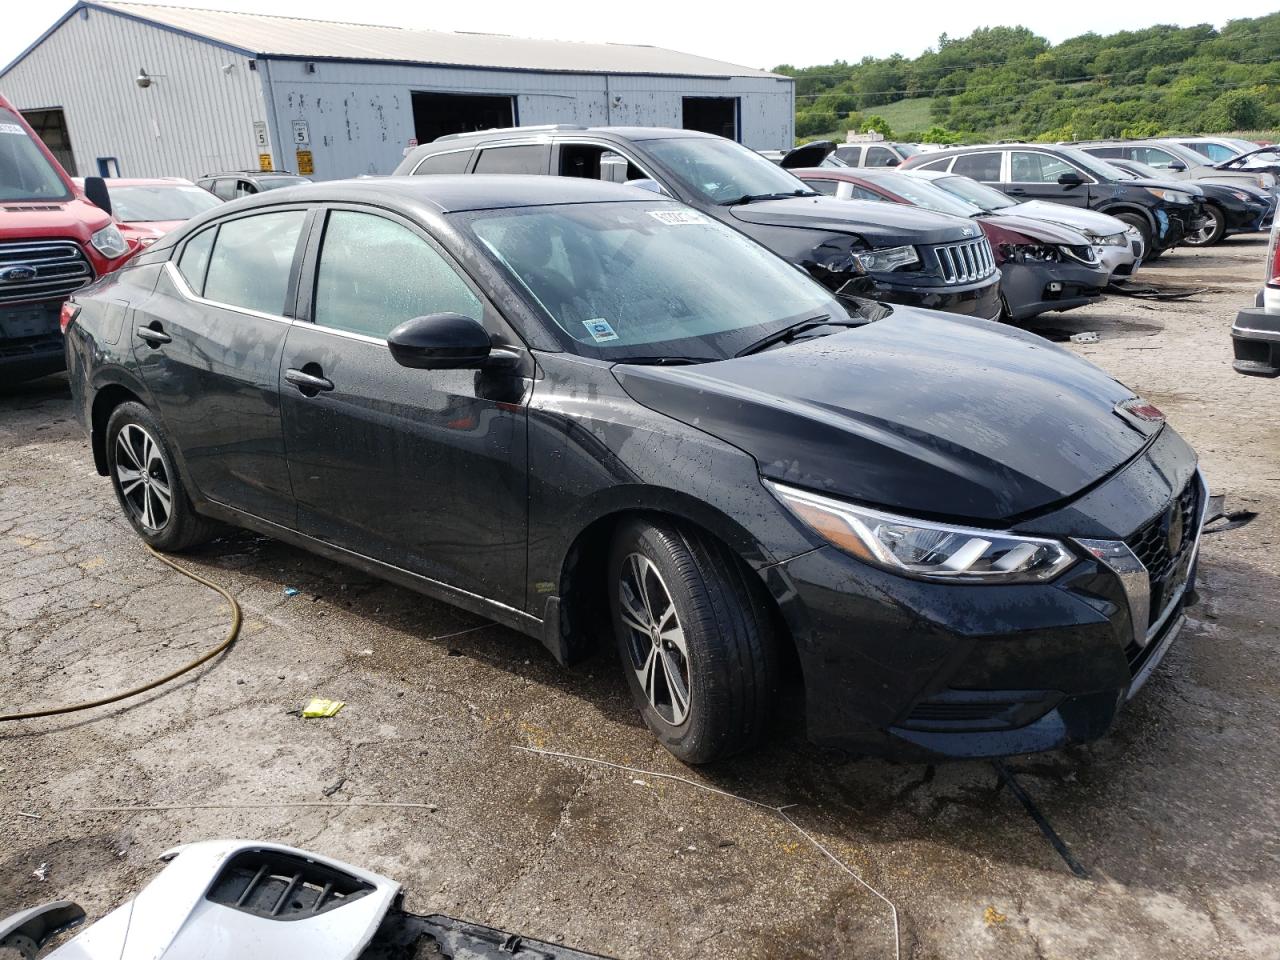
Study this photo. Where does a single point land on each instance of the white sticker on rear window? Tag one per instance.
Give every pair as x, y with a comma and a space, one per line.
600, 330
12, 128
676, 218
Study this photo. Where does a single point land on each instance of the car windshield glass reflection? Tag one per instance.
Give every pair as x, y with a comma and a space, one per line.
988, 198
923, 194
639, 280
721, 171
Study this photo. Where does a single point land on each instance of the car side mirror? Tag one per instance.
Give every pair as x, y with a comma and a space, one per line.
95, 188
441, 341
1177, 166
1070, 179
892, 162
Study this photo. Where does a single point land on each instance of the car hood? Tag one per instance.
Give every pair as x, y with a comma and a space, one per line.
1041, 230
807, 155
1185, 186
1091, 221
923, 413
887, 224
69, 218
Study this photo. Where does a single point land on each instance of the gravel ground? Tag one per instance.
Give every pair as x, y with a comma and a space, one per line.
1174, 815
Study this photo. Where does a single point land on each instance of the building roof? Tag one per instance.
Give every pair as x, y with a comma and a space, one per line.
262, 36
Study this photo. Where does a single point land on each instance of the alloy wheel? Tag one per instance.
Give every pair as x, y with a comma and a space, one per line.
655, 639
143, 477
1205, 234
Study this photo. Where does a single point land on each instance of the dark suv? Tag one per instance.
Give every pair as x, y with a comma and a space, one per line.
898, 255
1033, 171
245, 183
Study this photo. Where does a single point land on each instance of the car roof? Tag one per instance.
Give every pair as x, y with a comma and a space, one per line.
148, 182
451, 193
250, 174
472, 137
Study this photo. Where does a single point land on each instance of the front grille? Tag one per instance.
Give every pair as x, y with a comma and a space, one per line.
42, 270
1151, 543
965, 262
282, 886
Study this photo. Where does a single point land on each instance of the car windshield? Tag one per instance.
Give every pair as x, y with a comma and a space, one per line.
721, 171
988, 198
25, 172
275, 183
1099, 168
146, 203
922, 193
648, 280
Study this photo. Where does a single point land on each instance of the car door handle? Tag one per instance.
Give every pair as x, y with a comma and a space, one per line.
154, 335
308, 383
1015, 191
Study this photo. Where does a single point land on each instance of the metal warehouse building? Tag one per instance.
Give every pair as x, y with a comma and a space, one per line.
137, 90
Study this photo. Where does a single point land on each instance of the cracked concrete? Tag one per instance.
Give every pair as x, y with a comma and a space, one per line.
1175, 814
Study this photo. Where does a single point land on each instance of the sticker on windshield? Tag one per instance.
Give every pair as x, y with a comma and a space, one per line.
676, 218
12, 128
600, 330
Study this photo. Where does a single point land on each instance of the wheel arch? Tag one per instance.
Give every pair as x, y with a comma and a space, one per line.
574, 616
105, 400
1127, 207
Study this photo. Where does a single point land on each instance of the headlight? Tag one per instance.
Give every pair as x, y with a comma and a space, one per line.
1243, 197
890, 258
1170, 196
1266, 180
918, 548
1113, 240
110, 242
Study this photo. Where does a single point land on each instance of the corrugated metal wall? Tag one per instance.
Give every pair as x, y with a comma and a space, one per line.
360, 116
194, 119
198, 117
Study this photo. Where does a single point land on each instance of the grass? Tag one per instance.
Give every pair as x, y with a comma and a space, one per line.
905, 116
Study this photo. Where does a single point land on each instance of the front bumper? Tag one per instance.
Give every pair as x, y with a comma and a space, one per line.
1248, 218
980, 299
1120, 261
1033, 288
1255, 341
30, 341
920, 668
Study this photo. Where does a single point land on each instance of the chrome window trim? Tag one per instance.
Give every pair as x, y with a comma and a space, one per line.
180, 282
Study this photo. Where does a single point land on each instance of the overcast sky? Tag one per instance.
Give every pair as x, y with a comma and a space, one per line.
751, 33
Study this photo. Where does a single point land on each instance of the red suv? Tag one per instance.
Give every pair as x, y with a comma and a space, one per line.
53, 241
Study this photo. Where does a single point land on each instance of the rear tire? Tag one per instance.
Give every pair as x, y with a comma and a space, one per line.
147, 485
1212, 232
1140, 224
696, 639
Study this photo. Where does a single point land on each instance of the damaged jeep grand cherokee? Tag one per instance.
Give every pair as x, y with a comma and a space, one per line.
524, 396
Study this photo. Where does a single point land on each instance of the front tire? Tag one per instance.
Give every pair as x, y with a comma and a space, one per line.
1211, 232
695, 637
147, 485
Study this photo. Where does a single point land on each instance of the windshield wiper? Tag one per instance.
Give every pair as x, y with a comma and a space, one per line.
787, 334
665, 361
756, 197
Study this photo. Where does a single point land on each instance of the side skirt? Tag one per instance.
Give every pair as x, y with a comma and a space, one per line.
471, 602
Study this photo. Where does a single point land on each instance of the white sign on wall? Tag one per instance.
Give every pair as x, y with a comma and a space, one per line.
260, 134
301, 135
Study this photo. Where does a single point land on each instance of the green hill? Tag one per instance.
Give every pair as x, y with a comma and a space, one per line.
1004, 82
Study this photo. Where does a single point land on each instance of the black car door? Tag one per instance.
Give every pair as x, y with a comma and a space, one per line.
1034, 176
208, 344
422, 469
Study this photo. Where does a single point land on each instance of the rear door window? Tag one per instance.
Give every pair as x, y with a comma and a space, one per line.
850, 155
979, 166
454, 161
375, 274
252, 260
524, 158
943, 164
1154, 157
226, 189
195, 259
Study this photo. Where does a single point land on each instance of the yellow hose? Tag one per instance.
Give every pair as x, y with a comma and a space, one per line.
232, 634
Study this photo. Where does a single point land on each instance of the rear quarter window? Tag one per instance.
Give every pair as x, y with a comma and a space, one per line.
451, 161
979, 166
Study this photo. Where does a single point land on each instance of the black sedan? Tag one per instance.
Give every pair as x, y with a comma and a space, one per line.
1229, 208
585, 411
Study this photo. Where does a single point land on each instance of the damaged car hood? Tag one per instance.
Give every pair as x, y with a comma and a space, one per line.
1041, 230
921, 413
1079, 218
888, 224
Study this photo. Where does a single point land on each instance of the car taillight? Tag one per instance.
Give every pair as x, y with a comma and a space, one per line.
1273, 257
68, 315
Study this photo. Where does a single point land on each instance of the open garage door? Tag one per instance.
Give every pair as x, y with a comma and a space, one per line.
435, 114
718, 115
51, 127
